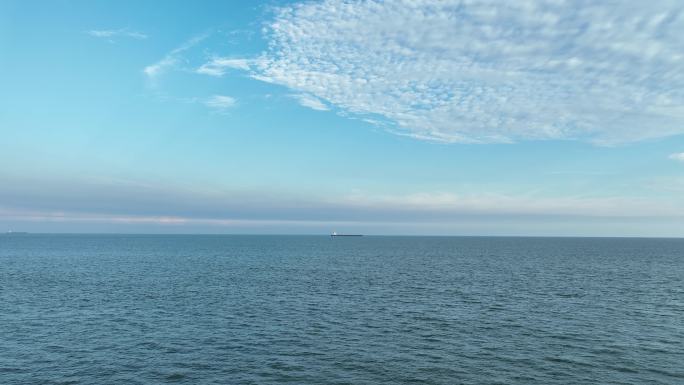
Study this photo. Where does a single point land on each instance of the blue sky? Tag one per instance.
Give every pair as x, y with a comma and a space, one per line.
421, 117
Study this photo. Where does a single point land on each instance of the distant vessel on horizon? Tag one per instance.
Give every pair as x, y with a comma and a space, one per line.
334, 234
11, 232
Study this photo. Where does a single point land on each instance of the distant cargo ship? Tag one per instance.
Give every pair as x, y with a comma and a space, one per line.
10, 232
334, 234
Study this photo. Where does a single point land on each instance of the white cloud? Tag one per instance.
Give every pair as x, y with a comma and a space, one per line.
172, 58
486, 71
157, 68
220, 102
219, 66
677, 156
312, 102
112, 33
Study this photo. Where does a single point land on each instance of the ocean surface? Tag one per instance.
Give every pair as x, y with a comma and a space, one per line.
124, 309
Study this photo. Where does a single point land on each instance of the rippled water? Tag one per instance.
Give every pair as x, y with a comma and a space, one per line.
315, 310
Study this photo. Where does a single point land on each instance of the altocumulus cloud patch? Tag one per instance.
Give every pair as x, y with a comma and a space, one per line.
488, 71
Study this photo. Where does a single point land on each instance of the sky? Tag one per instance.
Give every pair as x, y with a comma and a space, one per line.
477, 117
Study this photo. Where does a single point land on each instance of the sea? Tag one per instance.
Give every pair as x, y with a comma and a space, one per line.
233, 309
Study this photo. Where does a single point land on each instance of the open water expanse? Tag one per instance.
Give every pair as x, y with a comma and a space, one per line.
124, 309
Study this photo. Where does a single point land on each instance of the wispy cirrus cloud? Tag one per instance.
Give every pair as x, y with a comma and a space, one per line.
484, 71
220, 65
171, 59
114, 33
220, 102
310, 101
677, 156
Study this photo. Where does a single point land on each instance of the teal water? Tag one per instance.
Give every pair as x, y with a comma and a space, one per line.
117, 309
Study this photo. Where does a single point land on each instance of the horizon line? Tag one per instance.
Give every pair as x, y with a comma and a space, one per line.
20, 233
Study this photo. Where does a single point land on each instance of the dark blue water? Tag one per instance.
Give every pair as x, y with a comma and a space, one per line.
92, 309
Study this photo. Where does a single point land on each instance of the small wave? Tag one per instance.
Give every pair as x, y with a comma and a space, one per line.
176, 377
